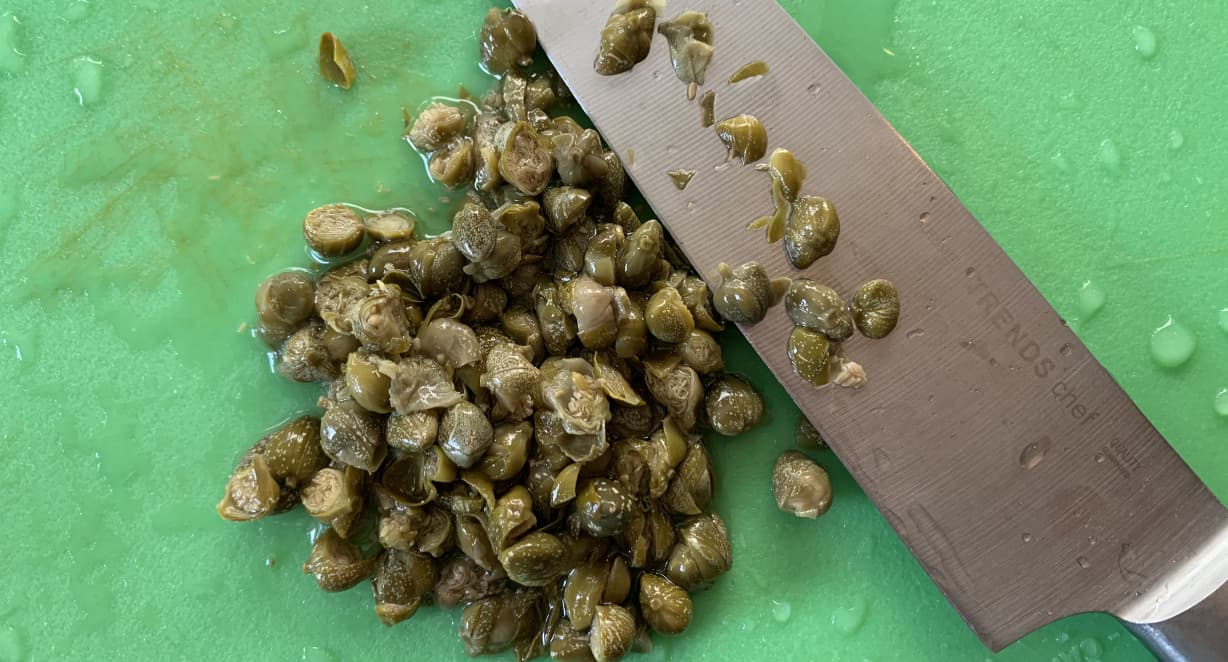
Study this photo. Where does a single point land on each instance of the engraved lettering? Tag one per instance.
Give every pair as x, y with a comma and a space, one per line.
988, 301
1044, 366
1002, 318
1030, 352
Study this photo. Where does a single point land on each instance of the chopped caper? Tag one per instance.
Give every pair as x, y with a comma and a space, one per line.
379, 322
639, 255
707, 109
400, 584
335, 63
391, 225
801, 487
733, 405
569, 644
744, 137
690, 492
690, 45
681, 177
808, 353
511, 518
507, 40
523, 161
676, 386
461, 580
305, 358
435, 126
334, 497
454, 163
749, 70
812, 230
665, 605
333, 230
876, 308
251, 492
701, 352
492, 624
787, 172
818, 307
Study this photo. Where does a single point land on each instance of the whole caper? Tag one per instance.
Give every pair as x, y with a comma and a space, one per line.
292, 452
465, 433
304, 356
352, 436
667, 316
492, 624
811, 231
625, 40
569, 644
733, 405
508, 452
818, 307
367, 385
507, 40
611, 633
461, 580
473, 231
801, 487
603, 507
808, 353
380, 323
536, 559
702, 352
690, 492
639, 254
698, 300
565, 206
665, 605
333, 230
283, 301
400, 584
787, 172
746, 292
702, 552
876, 308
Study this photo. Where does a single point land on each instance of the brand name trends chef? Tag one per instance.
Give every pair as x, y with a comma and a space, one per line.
1042, 363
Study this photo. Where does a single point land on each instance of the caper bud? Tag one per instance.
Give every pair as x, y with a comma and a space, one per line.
523, 161
507, 40
565, 206
746, 292
336, 563
511, 378
367, 385
465, 433
698, 300
690, 492
492, 624
676, 386
558, 328
293, 452
625, 40
876, 308
568, 644
333, 230
473, 542
489, 301
454, 163
461, 580
818, 307
511, 518
583, 591
601, 260
744, 137
409, 477
391, 225
614, 382
618, 581
787, 172
808, 353
801, 486
665, 605
508, 452
418, 384
639, 255
251, 492
283, 301
733, 405
811, 231
631, 338
401, 582
667, 316
807, 436
593, 307
603, 507
702, 552
501, 262
352, 436
334, 497
304, 356
449, 342
536, 560
702, 352
437, 125
578, 157
610, 636
473, 231
380, 323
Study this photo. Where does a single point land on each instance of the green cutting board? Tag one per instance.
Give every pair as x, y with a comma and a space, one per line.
156, 160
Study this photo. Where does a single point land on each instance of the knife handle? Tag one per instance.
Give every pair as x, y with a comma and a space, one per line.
1199, 634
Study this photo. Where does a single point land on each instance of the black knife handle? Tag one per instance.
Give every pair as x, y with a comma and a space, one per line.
1199, 634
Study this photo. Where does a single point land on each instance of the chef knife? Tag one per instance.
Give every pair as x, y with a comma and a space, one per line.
1018, 473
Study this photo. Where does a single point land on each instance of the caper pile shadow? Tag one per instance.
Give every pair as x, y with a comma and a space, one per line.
512, 409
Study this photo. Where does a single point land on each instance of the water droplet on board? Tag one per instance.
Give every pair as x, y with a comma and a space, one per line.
1091, 647
1223, 320
87, 80
1221, 402
1034, 453
1100, 458
1110, 157
1060, 162
12, 60
925, 217
1027, 537
847, 620
77, 10
1091, 299
1083, 562
12, 644
781, 611
1172, 344
1176, 139
1065, 349
318, 654
1144, 41
814, 88
914, 333
1070, 101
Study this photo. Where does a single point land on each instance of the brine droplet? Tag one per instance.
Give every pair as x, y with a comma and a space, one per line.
87, 80
12, 644
318, 654
1027, 537
1110, 157
1221, 402
1144, 41
847, 620
1223, 320
1172, 344
1034, 453
1091, 648
12, 60
1176, 139
1091, 300
1083, 562
781, 611
914, 333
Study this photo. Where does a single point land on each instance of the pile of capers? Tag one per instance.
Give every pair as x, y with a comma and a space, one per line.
511, 409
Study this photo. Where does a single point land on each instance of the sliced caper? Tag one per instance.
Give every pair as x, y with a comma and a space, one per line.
818, 307
583, 590
808, 353
668, 317
511, 518
492, 624
698, 300
631, 339
601, 259
502, 261
811, 231
801, 487
565, 206
746, 292
536, 560
733, 405
379, 322
569, 644
333, 230
744, 137
453, 164
334, 496
523, 161
676, 386
707, 109
507, 40
593, 307
665, 605
336, 563
419, 384
611, 633
449, 342
701, 352
473, 542
690, 492
876, 308
511, 379
391, 225
461, 580
251, 492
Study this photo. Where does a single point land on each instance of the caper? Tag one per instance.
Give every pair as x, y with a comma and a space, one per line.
352, 436
808, 353
807, 436
744, 137
489, 301
801, 486
418, 384
523, 327
707, 109
665, 605
449, 342
473, 542
787, 173
251, 492
690, 45
639, 255
876, 308
558, 328
603, 507
335, 63
492, 624
701, 352
511, 379
565, 206
818, 307
292, 452
304, 356
511, 518
614, 382
593, 307
379, 322
400, 584
283, 301
523, 161
667, 316
334, 497
625, 39
461, 580
659, 531
508, 452
676, 386
333, 230
618, 581
578, 157
746, 292
540, 94
611, 187
568, 644
507, 40
812, 230
631, 339
435, 126
601, 259
610, 636
502, 261
465, 433
391, 225
569, 390
564, 488
454, 163
410, 477
536, 560
367, 385
702, 552
336, 563
733, 405
698, 300
473, 231
435, 268
690, 492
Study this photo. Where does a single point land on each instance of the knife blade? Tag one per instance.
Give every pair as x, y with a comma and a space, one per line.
1018, 473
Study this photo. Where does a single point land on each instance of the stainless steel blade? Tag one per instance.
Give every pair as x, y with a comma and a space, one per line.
1016, 470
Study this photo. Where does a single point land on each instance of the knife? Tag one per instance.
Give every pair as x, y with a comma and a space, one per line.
1017, 472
